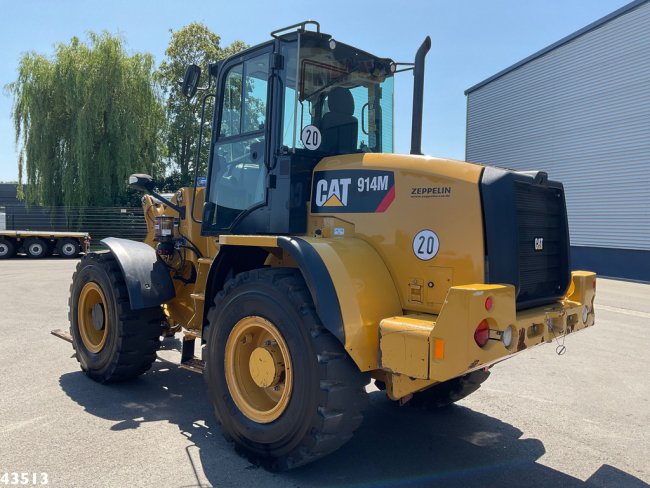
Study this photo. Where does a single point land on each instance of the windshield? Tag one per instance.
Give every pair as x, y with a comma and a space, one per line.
337, 99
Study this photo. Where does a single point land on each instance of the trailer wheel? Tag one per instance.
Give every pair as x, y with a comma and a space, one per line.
284, 389
68, 248
443, 394
112, 341
7, 248
35, 248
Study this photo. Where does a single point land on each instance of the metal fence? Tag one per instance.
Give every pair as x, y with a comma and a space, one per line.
99, 222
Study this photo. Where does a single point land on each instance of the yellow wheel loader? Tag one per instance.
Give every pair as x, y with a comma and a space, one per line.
315, 260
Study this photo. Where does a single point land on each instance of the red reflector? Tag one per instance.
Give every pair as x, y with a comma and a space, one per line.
482, 333
489, 303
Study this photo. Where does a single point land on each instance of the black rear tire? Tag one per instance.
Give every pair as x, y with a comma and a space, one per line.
130, 338
328, 393
35, 248
7, 248
68, 248
444, 394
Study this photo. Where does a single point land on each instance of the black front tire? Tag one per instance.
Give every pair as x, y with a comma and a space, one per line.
7, 248
328, 392
132, 336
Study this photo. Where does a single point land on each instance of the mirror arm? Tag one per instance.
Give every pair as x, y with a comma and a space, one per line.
212, 70
198, 154
180, 210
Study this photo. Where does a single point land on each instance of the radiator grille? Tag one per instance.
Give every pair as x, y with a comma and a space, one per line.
542, 241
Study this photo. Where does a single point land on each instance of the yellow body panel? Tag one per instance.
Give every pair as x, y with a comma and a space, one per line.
186, 308
463, 311
456, 218
260, 241
187, 227
404, 345
198, 295
365, 292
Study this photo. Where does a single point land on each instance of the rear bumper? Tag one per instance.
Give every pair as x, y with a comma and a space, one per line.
419, 350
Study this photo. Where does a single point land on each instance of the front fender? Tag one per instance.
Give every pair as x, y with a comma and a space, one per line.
147, 278
352, 289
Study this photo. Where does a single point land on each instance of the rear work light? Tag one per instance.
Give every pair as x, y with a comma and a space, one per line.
507, 335
482, 333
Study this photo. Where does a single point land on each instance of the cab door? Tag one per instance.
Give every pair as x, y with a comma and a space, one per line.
237, 180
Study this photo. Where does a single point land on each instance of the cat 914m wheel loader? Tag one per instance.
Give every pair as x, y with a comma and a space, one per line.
315, 259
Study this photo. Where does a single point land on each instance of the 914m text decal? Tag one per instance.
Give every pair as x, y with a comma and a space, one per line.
352, 191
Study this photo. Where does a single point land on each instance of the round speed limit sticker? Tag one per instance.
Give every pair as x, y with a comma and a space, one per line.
425, 245
311, 137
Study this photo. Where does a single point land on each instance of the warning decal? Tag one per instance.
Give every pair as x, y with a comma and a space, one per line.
352, 191
426, 244
311, 137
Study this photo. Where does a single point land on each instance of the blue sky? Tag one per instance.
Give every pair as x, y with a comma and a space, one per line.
472, 40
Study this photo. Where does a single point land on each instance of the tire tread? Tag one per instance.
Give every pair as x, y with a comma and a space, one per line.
341, 397
138, 330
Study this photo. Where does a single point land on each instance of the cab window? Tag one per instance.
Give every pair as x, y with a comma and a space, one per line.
346, 94
238, 166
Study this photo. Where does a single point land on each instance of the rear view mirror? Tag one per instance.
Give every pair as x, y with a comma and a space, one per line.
208, 212
141, 182
191, 80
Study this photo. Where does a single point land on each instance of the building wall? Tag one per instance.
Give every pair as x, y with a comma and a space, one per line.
581, 112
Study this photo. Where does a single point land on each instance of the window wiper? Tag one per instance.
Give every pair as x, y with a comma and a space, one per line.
332, 83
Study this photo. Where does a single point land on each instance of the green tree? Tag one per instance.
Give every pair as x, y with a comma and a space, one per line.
85, 119
193, 44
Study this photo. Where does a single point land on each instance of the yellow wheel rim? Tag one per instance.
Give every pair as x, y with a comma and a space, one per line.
258, 369
92, 317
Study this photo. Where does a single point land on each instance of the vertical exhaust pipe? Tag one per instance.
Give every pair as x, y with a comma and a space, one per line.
418, 96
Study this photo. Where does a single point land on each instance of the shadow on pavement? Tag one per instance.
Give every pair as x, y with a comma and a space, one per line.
454, 447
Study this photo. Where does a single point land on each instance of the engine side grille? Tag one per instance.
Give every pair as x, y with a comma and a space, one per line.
542, 241
518, 209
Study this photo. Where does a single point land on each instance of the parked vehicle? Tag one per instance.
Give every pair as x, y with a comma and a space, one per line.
38, 244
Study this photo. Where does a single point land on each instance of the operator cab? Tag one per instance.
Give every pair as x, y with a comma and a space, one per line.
280, 108
343, 92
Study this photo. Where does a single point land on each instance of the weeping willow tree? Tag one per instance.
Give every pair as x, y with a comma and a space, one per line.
85, 119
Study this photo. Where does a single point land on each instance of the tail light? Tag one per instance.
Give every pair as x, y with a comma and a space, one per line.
482, 333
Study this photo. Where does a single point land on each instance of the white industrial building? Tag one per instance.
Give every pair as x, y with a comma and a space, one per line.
580, 110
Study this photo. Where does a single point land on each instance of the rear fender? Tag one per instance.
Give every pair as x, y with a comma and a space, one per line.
351, 287
352, 290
